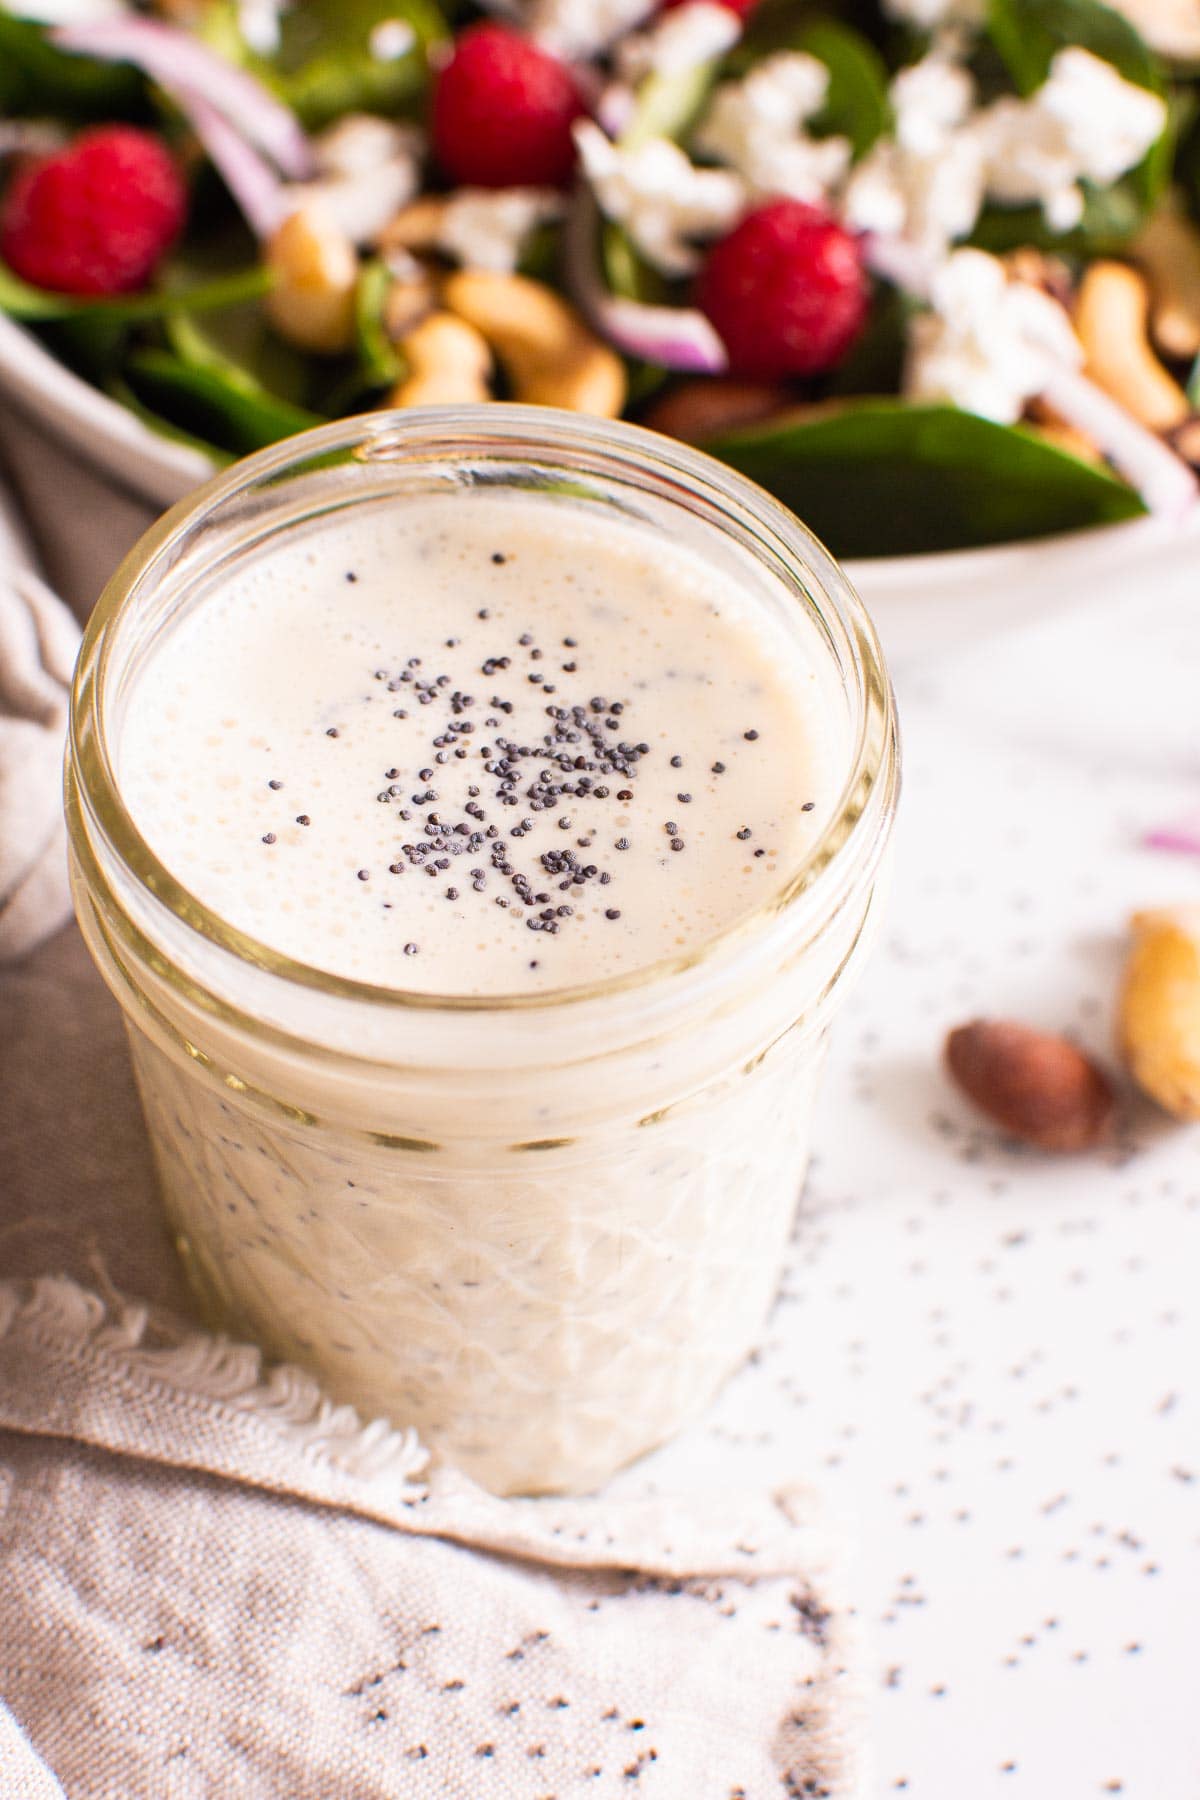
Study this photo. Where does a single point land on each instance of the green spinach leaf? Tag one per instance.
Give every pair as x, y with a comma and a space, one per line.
120, 390
626, 271
326, 65
857, 105
883, 478
380, 364
92, 344
1110, 218
211, 404
1186, 161
21, 301
1028, 33
37, 78
239, 345
772, 25
669, 105
876, 360
542, 255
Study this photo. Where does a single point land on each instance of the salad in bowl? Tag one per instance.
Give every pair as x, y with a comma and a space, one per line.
926, 269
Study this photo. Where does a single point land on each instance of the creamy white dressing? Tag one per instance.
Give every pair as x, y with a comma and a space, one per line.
481, 748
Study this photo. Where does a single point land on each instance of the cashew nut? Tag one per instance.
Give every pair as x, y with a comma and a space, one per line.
410, 298
1053, 429
548, 354
1167, 250
1110, 319
416, 226
448, 364
1070, 439
697, 410
1160, 1008
1185, 441
316, 270
1049, 274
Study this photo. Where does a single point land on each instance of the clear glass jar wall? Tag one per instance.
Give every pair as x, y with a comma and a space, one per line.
539, 1228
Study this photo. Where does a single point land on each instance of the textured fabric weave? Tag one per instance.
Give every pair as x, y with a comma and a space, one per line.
213, 1582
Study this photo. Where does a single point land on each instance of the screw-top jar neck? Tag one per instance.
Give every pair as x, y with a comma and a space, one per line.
151, 919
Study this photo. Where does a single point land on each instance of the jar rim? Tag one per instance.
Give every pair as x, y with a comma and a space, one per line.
859, 817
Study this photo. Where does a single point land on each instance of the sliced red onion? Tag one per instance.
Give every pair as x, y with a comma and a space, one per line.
177, 62
1166, 484
615, 107
1181, 839
673, 337
248, 176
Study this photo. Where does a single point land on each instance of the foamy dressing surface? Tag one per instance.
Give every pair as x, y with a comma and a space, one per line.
481, 745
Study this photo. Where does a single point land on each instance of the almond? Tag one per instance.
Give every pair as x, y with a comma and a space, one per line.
1033, 1084
695, 410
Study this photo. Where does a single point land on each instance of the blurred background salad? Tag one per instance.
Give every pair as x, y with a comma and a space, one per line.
927, 269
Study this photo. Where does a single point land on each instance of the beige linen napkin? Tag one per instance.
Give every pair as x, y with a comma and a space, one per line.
213, 1582
23, 1774
38, 641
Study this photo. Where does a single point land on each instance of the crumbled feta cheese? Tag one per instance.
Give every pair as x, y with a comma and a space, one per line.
930, 99
359, 142
391, 39
258, 22
1109, 123
1085, 123
925, 185
488, 228
661, 198
986, 344
368, 168
756, 127
927, 201
929, 15
584, 28
682, 39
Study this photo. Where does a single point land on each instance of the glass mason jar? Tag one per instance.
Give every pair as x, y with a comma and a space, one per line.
539, 1228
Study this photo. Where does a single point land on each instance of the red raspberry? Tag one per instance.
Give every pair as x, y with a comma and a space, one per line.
785, 290
95, 218
503, 110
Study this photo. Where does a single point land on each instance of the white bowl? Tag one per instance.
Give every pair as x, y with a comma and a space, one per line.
94, 476
92, 425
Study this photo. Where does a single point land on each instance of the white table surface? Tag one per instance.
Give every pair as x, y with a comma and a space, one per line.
988, 1359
